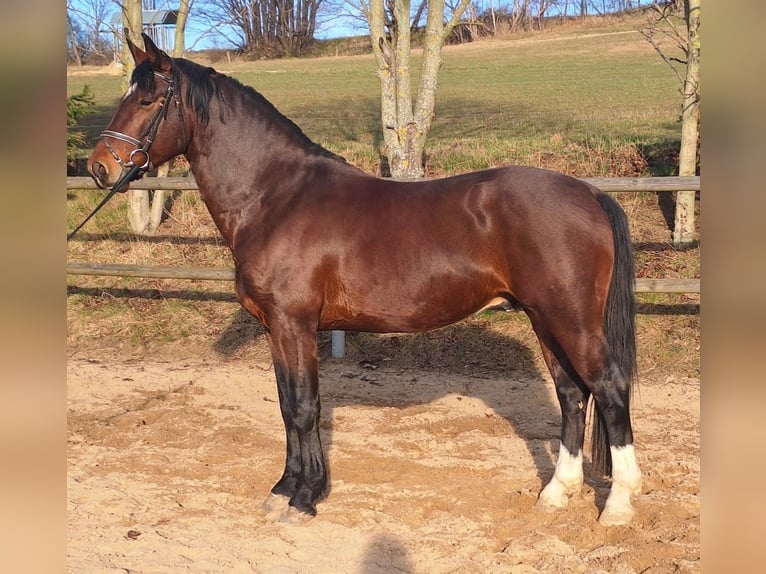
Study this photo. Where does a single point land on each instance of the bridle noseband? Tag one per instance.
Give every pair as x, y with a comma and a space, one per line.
142, 147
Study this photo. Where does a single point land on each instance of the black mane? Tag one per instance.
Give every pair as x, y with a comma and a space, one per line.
204, 83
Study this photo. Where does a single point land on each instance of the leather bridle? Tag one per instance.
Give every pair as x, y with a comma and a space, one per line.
142, 147
142, 144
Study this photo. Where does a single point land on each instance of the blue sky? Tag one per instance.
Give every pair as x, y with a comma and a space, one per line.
199, 35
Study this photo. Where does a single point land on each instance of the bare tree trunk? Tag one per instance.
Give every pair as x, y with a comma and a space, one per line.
405, 127
179, 45
145, 209
133, 21
138, 210
144, 215
73, 40
683, 229
158, 202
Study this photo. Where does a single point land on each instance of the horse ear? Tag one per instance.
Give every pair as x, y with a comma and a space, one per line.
138, 54
159, 59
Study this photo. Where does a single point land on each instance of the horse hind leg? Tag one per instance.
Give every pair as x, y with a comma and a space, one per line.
581, 364
567, 478
612, 453
612, 403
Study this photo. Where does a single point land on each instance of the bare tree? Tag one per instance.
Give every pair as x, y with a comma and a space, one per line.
145, 207
682, 33
266, 27
87, 27
520, 14
139, 205
406, 122
74, 47
179, 45
133, 24
542, 11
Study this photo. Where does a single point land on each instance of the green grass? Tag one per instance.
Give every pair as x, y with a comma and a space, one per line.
530, 100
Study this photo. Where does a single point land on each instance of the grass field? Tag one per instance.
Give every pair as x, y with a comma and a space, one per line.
592, 101
578, 100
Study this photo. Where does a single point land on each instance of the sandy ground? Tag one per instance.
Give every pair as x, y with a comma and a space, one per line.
431, 472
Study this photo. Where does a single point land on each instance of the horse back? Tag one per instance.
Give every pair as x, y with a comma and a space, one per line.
366, 253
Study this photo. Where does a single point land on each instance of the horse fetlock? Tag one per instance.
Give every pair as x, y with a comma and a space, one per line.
625, 472
567, 480
618, 509
305, 501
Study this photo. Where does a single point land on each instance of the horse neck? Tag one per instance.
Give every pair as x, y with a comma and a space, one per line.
244, 158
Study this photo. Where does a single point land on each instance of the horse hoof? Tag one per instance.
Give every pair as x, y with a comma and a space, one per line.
616, 517
294, 516
550, 504
555, 496
274, 506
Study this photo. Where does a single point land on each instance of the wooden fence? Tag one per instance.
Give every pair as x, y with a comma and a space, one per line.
611, 184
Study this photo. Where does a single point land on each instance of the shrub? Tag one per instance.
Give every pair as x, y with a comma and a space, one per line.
77, 106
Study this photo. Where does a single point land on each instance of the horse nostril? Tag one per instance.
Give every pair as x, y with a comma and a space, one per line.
98, 171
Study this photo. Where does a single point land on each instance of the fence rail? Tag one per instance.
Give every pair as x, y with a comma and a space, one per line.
611, 184
643, 285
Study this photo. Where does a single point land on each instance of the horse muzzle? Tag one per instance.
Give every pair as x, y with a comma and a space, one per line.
107, 173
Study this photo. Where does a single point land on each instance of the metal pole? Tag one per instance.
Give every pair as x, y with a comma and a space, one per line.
338, 344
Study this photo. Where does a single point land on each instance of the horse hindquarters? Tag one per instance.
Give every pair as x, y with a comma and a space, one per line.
590, 350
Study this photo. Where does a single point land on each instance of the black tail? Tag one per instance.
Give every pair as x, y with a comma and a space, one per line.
619, 323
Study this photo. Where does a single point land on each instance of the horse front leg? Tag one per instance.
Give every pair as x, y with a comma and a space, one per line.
287, 485
304, 479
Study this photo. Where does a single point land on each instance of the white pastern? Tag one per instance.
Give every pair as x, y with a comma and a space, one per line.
626, 481
567, 480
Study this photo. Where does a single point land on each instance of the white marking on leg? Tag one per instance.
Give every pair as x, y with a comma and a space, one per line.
567, 480
626, 481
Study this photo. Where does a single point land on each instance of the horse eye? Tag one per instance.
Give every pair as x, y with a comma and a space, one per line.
145, 103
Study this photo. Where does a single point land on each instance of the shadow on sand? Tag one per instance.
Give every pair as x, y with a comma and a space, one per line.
499, 370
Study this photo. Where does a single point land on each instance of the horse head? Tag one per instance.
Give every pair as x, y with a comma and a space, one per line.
148, 127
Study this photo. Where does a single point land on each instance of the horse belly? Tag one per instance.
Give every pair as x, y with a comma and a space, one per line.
408, 304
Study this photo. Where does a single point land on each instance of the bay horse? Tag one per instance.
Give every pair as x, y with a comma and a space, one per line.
319, 244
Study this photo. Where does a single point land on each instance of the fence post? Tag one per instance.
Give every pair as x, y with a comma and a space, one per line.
338, 344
